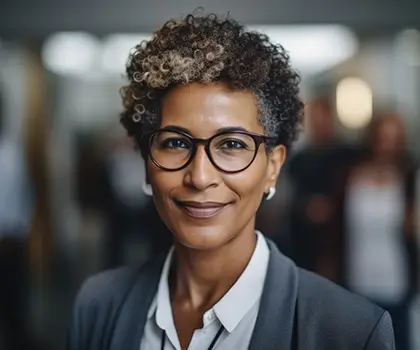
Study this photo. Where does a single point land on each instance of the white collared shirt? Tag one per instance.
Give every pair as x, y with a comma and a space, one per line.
237, 311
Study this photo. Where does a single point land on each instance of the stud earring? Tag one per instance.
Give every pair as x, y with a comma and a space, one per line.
147, 189
271, 193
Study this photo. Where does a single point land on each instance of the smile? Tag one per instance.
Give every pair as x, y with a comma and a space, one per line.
201, 210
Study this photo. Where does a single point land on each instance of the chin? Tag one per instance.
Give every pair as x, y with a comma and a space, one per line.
201, 238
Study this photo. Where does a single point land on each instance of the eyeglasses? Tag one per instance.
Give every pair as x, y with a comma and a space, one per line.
229, 152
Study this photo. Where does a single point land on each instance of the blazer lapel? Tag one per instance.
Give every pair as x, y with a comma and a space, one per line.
274, 325
131, 320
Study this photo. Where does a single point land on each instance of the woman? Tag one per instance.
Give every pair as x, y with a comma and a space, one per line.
213, 109
376, 253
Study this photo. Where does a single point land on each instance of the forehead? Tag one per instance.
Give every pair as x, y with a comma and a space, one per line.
205, 108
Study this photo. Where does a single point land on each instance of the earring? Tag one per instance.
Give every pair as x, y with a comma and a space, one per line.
147, 189
271, 193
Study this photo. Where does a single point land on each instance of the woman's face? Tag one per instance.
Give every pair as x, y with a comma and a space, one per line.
203, 207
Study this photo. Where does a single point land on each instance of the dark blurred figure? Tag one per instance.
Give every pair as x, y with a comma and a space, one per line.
374, 237
15, 214
113, 185
125, 205
313, 171
131, 217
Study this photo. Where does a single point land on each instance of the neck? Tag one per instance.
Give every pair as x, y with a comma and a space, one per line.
201, 277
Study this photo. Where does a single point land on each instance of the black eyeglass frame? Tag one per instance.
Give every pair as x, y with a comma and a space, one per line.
257, 138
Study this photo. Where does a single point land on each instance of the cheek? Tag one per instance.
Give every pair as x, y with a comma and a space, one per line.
249, 184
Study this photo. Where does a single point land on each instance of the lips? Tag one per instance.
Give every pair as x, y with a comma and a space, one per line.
201, 210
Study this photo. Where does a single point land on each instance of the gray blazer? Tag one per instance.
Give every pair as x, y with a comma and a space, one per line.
298, 311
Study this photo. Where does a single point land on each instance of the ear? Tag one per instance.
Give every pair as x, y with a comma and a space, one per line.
276, 159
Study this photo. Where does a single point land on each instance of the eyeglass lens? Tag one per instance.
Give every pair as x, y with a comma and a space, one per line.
229, 151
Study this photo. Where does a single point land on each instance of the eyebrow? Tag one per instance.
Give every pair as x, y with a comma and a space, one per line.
220, 130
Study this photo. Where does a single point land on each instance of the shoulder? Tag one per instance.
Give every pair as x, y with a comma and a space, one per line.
328, 297
101, 296
114, 284
335, 316
100, 300
106, 286
96, 302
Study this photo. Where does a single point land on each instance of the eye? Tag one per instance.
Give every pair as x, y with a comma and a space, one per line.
174, 143
233, 144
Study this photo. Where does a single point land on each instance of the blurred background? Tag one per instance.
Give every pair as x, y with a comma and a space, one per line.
71, 200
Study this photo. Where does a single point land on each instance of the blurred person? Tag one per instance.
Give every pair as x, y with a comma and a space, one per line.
374, 243
15, 216
111, 185
122, 198
313, 171
213, 109
129, 210
127, 201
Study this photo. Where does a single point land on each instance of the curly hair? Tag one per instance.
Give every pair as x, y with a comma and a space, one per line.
210, 50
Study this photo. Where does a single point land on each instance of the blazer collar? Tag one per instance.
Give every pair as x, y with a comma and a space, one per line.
274, 325
275, 320
132, 316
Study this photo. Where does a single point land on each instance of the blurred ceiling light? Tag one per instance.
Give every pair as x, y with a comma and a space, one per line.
70, 53
354, 100
313, 48
117, 48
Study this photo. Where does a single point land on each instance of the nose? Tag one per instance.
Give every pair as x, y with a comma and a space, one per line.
201, 174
